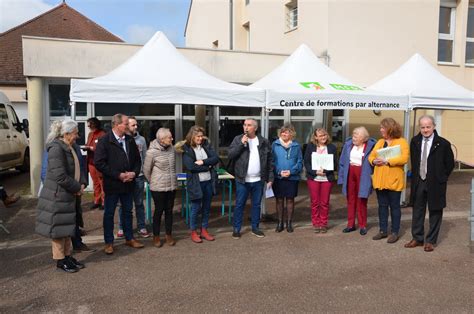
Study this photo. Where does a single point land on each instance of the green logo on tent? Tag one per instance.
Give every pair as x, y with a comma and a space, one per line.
345, 87
314, 85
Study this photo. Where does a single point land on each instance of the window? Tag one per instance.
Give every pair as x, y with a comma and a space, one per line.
3, 117
81, 109
292, 15
447, 18
81, 140
470, 36
59, 105
59, 101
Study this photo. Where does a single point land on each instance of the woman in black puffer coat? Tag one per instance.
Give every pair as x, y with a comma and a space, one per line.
199, 160
56, 212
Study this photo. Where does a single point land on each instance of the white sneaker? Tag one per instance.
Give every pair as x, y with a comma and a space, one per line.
143, 233
120, 233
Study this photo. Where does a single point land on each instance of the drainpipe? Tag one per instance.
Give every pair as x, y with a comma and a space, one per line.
231, 25
472, 216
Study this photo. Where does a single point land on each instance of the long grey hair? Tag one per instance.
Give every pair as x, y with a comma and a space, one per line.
60, 127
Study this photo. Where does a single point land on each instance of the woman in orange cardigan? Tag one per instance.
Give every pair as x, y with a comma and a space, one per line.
388, 178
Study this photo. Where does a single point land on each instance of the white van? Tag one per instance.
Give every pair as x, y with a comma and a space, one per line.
14, 149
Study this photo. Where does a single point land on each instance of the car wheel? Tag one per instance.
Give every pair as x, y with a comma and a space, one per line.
25, 167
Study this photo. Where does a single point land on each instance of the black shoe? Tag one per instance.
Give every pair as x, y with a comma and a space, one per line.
348, 229
258, 233
67, 266
83, 248
236, 235
289, 226
363, 231
279, 227
75, 262
94, 206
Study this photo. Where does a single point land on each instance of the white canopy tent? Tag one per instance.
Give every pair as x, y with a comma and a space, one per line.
302, 81
425, 86
158, 73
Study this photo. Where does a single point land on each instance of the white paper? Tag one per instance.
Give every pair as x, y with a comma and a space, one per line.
324, 161
269, 193
389, 152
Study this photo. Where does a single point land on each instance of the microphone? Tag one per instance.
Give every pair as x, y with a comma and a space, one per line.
246, 143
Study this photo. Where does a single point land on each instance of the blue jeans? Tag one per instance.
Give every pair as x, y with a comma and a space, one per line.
110, 202
202, 205
255, 189
138, 200
386, 199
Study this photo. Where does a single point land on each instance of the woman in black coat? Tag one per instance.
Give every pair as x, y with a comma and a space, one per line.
56, 212
199, 160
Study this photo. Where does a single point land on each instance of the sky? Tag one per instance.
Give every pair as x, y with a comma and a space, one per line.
135, 21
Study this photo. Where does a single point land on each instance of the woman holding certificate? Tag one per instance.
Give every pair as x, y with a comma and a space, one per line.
288, 163
319, 161
388, 157
355, 175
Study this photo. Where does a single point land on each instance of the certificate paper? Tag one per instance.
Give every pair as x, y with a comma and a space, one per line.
324, 161
389, 152
269, 193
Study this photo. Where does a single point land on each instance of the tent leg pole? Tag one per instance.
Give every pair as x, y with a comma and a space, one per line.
406, 134
265, 124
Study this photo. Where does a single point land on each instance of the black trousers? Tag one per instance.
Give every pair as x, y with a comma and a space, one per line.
3, 193
419, 212
77, 239
164, 202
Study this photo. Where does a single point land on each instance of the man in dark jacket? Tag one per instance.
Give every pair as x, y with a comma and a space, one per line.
432, 162
118, 159
251, 155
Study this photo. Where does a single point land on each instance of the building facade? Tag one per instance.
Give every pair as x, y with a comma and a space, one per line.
363, 40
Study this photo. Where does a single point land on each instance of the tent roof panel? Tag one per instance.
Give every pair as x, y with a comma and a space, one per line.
426, 86
303, 79
158, 73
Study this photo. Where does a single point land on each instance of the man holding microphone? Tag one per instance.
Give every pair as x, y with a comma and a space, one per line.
251, 156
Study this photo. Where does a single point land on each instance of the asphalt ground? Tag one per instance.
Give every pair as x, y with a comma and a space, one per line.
298, 272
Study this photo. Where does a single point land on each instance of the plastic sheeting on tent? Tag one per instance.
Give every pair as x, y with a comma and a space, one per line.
158, 73
425, 86
302, 81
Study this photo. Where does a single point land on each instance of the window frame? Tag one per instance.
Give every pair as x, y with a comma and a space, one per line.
452, 31
291, 14
468, 39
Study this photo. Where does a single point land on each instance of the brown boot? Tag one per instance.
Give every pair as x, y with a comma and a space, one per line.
195, 237
134, 244
157, 241
206, 235
169, 240
109, 249
11, 199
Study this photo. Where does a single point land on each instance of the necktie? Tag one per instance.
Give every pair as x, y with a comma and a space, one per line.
122, 143
424, 157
